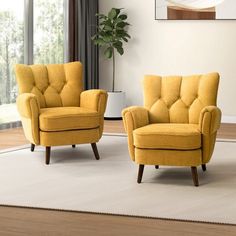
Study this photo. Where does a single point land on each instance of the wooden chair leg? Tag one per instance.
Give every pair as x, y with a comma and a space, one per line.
73, 146
140, 173
95, 151
204, 168
32, 147
157, 167
48, 151
195, 176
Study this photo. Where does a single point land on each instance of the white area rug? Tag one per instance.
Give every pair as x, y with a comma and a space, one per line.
76, 181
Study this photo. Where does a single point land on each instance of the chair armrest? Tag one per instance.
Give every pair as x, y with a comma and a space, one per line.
209, 121
95, 99
134, 117
29, 110
28, 105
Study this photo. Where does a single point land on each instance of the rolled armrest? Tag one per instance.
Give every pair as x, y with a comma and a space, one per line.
29, 109
209, 121
95, 99
134, 117
28, 105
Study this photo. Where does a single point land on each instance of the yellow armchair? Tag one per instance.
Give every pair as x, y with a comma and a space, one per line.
177, 125
55, 110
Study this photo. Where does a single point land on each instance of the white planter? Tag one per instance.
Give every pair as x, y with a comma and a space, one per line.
115, 105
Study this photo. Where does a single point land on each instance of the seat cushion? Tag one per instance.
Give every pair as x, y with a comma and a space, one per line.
67, 118
168, 136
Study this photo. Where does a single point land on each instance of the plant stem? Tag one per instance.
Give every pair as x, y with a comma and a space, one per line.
114, 70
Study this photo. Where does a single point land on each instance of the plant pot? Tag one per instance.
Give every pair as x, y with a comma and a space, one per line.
115, 105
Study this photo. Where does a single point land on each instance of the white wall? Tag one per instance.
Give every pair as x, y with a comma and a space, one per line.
172, 47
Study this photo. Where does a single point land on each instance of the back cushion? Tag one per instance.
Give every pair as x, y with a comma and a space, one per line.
55, 85
177, 99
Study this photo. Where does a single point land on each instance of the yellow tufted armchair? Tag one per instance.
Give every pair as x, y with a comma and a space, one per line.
177, 125
55, 110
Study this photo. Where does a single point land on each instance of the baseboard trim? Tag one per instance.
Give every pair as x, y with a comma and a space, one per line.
228, 119
10, 125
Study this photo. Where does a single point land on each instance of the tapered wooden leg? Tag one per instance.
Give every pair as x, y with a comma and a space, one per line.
157, 167
195, 176
95, 151
140, 173
48, 151
32, 147
73, 146
204, 168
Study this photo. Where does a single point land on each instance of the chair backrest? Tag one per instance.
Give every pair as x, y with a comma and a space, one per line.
177, 99
54, 85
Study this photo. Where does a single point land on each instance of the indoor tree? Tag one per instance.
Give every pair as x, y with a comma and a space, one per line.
112, 33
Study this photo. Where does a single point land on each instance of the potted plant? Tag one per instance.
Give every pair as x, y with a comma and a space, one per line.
112, 33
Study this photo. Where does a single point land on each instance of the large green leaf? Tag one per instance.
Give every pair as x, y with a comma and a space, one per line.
123, 17
108, 52
99, 42
120, 50
117, 44
117, 20
122, 24
118, 11
122, 34
125, 34
108, 28
108, 38
112, 14
125, 39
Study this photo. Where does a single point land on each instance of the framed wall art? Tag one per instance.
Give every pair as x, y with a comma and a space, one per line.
195, 9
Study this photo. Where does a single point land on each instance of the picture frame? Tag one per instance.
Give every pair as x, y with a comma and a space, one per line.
195, 9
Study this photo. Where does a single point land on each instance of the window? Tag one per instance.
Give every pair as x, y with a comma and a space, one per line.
44, 25
48, 31
11, 52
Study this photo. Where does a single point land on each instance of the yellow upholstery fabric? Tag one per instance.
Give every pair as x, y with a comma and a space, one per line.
54, 85
95, 99
134, 117
209, 121
168, 157
69, 137
177, 99
178, 123
168, 136
68, 118
28, 108
53, 107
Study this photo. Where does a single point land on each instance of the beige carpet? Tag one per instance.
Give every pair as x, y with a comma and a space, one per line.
76, 181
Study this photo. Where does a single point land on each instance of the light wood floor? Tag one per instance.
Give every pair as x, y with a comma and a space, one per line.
16, 221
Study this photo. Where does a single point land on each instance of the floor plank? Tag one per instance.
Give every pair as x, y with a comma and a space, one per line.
21, 221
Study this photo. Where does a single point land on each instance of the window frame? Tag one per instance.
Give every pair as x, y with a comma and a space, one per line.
29, 31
